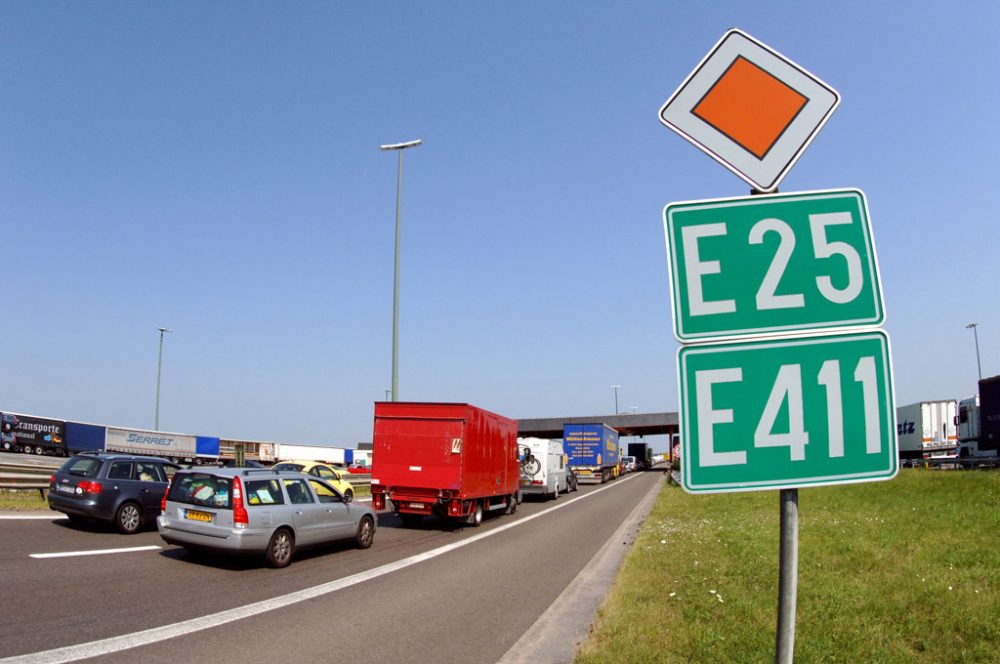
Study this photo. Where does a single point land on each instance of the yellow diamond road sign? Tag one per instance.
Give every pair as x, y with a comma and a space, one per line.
750, 108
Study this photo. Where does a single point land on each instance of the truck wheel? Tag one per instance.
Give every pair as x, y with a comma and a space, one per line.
128, 518
280, 548
511, 503
39, 450
476, 517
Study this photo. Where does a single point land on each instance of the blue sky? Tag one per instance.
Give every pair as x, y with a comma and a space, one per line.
214, 168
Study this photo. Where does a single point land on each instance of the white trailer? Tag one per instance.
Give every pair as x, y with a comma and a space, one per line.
324, 453
927, 429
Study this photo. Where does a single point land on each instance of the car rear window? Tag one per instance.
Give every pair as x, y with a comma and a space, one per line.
201, 489
264, 492
288, 466
82, 466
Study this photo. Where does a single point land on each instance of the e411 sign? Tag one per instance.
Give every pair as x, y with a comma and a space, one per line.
772, 264
782, 413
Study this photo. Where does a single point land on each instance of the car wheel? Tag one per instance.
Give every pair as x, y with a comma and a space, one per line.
348, 496
128, 518
366, 533
476, 517
280, 548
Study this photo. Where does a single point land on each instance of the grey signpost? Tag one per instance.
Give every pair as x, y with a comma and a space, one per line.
784, 376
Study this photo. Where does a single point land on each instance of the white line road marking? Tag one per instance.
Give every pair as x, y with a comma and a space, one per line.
48, 517
95, 552
146, 637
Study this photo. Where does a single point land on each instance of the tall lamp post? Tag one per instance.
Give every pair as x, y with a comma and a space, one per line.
976, 335
616, 388
399, 147
159, 366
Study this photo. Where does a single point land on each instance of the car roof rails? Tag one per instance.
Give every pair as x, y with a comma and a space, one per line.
246, 472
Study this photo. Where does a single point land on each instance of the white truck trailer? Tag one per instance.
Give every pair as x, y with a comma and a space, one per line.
927, 429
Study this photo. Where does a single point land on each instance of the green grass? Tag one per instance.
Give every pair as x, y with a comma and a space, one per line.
900, 571
21, 500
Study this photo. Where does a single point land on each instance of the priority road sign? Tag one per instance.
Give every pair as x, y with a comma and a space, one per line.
750, 108
787, 413
773, 264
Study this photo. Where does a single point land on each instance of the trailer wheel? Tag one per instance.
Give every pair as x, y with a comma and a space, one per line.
39, 450
476, 517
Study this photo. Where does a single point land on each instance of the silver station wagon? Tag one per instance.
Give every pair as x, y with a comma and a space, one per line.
259, 511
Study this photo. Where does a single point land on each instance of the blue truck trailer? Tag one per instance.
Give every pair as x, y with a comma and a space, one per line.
592, 450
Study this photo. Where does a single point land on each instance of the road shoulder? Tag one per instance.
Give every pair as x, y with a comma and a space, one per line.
556, 635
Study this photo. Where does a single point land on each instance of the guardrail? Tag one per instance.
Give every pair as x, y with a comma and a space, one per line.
25, 476
36, 477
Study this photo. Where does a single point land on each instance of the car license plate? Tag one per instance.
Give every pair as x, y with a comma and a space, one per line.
199, 516
65, 488
417, 506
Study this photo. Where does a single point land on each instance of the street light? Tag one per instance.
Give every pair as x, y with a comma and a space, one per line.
616, 388
976, 335
159, 366
399, 147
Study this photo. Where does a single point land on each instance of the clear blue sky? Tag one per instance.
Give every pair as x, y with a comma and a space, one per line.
214, 168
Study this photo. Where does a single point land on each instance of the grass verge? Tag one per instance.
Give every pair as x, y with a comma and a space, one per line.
900, 571
21, 500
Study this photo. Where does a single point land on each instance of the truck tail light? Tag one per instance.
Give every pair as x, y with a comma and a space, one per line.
378, 501
87, 486
241, 519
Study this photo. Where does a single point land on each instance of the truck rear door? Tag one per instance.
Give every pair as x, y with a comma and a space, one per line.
420, 453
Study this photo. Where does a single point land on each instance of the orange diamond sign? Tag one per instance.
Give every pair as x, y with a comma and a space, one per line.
750, 108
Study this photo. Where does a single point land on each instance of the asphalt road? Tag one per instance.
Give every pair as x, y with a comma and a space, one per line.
403, 600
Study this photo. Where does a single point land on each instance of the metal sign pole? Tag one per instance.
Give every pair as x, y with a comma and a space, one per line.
788, 576
788, 567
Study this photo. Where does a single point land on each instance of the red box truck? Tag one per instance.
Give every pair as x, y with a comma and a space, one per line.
452, 460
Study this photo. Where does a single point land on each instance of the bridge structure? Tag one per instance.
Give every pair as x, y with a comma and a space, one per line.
626, 424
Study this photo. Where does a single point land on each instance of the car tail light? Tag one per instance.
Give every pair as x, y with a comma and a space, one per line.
52, 480
536, 481
240, 517
163, 501
87, 486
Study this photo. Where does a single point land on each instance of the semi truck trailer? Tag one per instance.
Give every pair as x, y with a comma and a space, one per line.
593, 451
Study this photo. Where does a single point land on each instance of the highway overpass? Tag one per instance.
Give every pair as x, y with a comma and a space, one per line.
627, 424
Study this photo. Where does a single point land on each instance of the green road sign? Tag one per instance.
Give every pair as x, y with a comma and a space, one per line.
784, 413
773, 264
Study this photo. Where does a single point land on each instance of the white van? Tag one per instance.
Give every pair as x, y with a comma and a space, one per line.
543, 468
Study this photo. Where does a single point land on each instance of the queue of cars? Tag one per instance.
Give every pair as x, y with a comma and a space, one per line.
262, 511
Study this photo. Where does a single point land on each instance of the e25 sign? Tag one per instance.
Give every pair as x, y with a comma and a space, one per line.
772, 264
